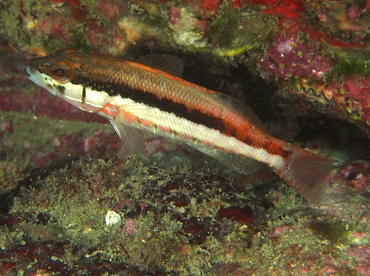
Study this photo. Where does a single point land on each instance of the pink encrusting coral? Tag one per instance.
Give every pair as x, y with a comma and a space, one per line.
352, 94
289, 56
110, 9
354, 176
68, 147
129, 226
358, 92
302, 66
44, 106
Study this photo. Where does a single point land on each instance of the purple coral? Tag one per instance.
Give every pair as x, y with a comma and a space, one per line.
288, 56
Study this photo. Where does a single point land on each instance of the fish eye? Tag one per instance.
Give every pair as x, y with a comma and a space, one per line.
61, 71
58, 72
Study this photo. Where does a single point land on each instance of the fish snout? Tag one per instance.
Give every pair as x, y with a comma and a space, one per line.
26, 71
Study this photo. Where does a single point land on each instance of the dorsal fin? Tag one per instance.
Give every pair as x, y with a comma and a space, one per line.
242, 109
169, 64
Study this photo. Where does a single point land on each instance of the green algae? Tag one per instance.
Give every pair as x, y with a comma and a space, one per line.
159, 241
185, 33
77, 214
353, 62
20, 30
334, 232
239, 30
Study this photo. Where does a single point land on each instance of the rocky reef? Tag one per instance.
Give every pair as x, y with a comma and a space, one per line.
70, 206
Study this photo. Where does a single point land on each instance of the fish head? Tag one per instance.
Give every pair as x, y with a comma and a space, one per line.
50, 74
62, 75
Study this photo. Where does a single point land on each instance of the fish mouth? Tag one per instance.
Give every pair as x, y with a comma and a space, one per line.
39, 78
27, 72
34, 75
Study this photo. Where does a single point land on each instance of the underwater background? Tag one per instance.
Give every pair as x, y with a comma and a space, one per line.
70, 206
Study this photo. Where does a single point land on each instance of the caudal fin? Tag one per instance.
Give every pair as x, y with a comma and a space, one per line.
307, 173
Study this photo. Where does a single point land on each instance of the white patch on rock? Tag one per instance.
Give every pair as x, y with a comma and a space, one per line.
112, 218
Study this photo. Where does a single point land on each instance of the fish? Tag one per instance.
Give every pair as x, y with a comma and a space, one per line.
150, 95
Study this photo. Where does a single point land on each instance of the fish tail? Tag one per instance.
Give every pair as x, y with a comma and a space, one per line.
307, 173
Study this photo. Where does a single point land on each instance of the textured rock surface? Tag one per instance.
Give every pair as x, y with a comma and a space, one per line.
301, 65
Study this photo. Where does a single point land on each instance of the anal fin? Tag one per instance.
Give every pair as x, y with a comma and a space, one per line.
235, 162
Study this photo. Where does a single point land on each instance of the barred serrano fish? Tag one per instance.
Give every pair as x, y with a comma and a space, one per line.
133, 95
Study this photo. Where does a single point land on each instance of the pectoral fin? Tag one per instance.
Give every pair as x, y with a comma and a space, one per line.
132, 139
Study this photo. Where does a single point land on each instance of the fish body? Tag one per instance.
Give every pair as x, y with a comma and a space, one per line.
132, 95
